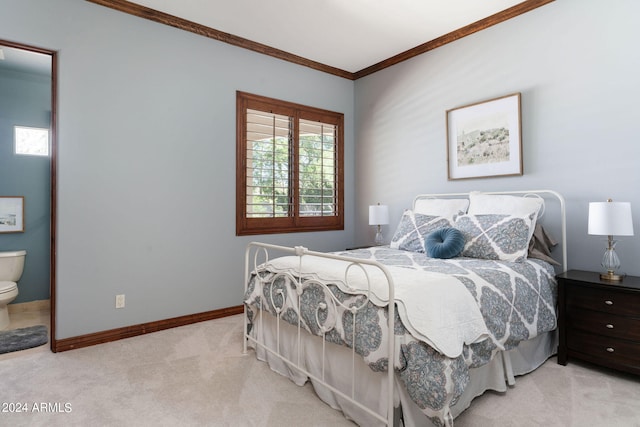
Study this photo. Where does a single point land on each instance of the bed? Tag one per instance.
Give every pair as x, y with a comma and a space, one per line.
459, 325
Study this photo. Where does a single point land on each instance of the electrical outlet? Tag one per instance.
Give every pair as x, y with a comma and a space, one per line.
120, 301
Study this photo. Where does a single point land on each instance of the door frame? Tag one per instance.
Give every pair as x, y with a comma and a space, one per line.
53, 166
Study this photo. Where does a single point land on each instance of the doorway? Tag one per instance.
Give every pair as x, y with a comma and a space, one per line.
28, 75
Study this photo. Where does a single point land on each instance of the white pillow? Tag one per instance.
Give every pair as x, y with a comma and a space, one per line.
447, 208
503, 204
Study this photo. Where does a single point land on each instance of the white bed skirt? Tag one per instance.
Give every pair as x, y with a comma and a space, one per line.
371, 387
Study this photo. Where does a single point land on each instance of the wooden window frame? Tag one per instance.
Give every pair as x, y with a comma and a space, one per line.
293, 223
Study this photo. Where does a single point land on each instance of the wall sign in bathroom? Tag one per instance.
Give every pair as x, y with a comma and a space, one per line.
11, 214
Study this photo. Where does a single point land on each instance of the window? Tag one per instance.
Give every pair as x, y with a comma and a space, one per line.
32, 141
289, 167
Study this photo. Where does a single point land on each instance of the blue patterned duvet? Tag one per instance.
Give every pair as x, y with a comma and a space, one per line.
516, 299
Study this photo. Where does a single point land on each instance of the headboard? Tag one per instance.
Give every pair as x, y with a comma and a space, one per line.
552, 215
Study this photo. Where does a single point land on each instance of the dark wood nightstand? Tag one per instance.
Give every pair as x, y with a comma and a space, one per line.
599, 321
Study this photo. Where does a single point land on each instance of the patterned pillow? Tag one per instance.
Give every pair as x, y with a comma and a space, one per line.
502, 204
413, 229
497, 237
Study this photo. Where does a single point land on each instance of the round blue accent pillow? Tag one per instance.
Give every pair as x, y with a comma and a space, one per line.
444, 243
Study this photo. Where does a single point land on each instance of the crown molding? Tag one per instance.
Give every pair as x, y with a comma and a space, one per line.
480, 25
183, 24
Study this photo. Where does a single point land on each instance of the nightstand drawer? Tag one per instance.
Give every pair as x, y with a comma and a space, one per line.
604, 323
611, 350
610, 301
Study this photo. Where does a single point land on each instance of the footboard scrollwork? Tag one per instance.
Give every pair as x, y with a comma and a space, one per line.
303, 300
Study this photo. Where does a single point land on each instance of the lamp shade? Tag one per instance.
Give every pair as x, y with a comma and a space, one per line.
378, 215
610, 219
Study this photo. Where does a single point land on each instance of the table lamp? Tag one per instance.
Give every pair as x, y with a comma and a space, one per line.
608, 219
378, 216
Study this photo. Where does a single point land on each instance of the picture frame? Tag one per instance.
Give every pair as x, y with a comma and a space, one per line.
11, 214
484, 139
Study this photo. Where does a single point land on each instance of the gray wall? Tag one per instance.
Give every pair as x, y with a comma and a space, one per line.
146, 168
147, 140
25, 100
576, 64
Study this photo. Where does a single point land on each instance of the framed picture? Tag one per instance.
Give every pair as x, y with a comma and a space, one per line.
485, 139
11, 214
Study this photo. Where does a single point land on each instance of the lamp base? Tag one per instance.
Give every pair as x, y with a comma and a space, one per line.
611, 277
379, 241
611, 263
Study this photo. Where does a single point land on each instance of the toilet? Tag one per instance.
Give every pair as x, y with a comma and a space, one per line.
11, 266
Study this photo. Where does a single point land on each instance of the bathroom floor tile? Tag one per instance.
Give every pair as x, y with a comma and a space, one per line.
24, 315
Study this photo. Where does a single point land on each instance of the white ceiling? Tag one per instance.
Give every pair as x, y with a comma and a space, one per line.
347, 34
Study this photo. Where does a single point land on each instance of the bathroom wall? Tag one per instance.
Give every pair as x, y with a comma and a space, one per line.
25, 100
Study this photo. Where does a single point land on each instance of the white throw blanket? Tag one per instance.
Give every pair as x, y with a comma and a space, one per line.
434, 307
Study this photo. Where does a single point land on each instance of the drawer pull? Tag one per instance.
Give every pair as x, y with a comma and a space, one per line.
609, 326
610, 349
608, 302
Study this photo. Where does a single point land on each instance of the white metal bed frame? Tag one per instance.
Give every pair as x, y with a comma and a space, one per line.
255, 250
302, 283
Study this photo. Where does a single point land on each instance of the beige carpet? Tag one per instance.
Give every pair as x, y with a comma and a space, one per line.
576, 395
196, 376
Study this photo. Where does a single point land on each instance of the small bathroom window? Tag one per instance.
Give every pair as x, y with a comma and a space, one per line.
31, 141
